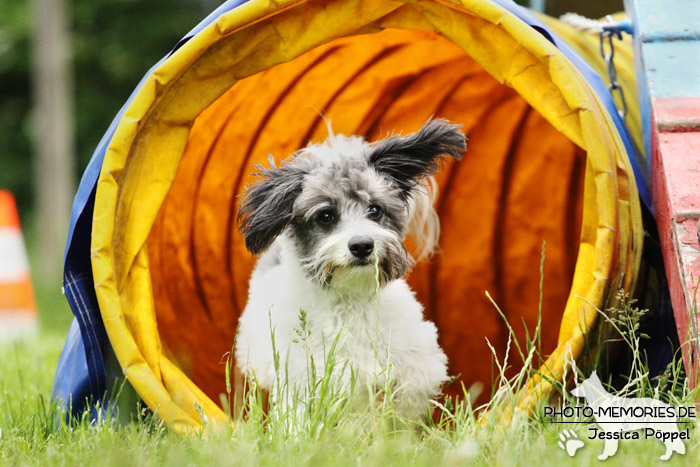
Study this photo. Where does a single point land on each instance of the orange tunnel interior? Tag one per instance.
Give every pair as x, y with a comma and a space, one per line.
520, 184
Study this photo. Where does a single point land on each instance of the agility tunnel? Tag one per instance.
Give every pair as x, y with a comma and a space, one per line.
156, 272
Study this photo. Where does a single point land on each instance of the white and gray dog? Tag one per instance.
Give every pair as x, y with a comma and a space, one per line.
330, 224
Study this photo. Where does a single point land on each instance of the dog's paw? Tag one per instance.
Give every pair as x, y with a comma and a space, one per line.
569, 442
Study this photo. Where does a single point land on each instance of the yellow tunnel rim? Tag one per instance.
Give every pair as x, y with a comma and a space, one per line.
260, 34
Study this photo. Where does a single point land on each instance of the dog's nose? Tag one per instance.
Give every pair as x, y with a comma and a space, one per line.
361, 247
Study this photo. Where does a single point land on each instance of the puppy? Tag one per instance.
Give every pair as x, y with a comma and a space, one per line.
330, 224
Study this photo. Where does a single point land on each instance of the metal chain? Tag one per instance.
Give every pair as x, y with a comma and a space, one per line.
606, 35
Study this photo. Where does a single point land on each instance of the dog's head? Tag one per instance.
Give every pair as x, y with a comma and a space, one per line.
345, 203
589, 388
579, 391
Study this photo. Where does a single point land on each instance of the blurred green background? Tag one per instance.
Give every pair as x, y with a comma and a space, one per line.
110, 45
113, 43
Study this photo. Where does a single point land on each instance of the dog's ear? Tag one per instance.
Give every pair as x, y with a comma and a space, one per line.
407, 159
266, 207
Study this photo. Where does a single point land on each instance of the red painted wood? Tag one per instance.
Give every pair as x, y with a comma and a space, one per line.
675, 178
681, 154
677, 114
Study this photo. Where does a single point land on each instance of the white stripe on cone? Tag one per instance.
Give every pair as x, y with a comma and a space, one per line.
14, 266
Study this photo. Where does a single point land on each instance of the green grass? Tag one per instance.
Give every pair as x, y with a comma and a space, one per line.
333, 432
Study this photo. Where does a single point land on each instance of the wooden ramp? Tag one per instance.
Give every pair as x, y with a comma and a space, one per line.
667, 56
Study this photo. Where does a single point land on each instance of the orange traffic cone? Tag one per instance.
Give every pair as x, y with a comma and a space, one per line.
18, 314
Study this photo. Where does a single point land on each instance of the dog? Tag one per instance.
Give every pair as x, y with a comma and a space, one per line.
612, 425
330, 224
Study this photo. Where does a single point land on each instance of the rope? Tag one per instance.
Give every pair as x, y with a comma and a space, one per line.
582, 23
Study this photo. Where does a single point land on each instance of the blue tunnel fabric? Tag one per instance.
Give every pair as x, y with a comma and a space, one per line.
83, 372
86, 364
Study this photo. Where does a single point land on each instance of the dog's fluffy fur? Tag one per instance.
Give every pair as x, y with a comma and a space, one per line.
307, 218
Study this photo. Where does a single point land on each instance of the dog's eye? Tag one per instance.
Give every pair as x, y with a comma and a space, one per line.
375, 212
326, 217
